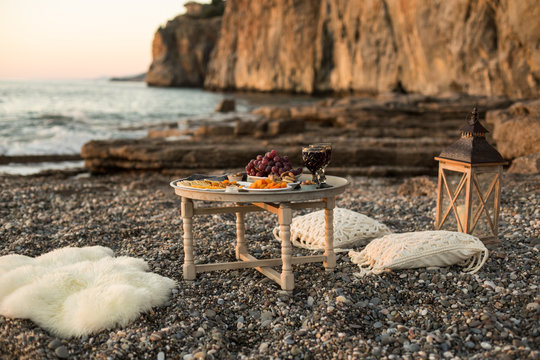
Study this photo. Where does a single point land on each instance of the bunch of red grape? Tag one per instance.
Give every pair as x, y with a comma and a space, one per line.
270, 163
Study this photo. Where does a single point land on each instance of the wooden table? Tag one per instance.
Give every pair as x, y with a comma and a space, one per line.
280, 203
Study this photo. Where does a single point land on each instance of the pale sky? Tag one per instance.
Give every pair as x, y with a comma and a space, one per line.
63, 39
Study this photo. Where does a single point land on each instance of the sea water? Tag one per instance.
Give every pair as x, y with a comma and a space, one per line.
59, 117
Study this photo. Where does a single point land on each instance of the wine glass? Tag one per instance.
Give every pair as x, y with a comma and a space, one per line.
327, 149
314, 158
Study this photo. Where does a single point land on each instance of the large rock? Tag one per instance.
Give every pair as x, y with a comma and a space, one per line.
154, 154
287, 126
418, 186
226, 105
372, 46
529, 164
393, 135
181, 50
516, 130
272, 112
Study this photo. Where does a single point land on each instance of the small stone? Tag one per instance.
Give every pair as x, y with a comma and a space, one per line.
209, 313
326, 337
387, 339
413, 347
288, 340
216, 335
266, 323
295, 350
474, 323
161, 355
469, 344
378, 325
362, 304
485, 345
155, 336
513, 276
266, 315
199, 355
533, 306
402, 328
263, 347
220, 301
61, 352
342, 299
54, 344
310, 301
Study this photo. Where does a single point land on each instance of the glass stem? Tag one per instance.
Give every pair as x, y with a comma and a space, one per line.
321, 176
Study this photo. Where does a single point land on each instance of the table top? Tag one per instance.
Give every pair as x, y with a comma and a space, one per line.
339, 185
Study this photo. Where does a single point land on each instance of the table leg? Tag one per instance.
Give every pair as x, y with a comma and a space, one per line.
241, 247
187, 219
330, 262
285, 219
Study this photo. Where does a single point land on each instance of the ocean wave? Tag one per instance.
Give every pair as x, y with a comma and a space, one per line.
51, 117
43, 118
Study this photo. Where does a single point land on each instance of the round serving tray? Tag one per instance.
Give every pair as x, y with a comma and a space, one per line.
338, 186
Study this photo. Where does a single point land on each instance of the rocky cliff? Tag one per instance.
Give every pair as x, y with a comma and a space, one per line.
371, 46
181, 50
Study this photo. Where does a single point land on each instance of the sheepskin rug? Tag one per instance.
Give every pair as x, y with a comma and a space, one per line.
78, 291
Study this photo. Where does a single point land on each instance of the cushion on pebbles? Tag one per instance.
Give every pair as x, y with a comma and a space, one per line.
350, 229
78, 291
421, 249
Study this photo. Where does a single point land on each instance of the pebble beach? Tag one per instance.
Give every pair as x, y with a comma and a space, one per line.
409, 314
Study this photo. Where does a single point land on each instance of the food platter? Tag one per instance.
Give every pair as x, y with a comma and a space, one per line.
194, 188
243, 187
203, 185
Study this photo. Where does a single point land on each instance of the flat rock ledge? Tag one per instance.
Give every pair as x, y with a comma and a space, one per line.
390, 135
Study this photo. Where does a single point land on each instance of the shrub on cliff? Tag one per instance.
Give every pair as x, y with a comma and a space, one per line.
215, 8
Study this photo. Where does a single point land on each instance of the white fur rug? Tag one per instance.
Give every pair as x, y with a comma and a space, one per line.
78, 291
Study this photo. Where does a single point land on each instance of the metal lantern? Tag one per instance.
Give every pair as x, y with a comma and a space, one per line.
469, 186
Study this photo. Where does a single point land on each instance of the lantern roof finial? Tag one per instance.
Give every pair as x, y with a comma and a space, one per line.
473, 125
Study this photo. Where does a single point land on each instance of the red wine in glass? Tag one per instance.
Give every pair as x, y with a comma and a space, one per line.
314, 159
326, 148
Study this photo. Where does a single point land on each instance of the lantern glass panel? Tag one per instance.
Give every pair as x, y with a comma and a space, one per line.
454, 180
483, 203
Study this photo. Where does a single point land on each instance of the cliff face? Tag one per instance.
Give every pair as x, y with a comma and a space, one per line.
266, 45
181, 50
427, 46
